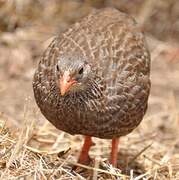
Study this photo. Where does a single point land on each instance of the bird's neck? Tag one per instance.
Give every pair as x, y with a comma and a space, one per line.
85, 100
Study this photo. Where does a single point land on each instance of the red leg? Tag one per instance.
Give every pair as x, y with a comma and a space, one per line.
114, 151
84, 157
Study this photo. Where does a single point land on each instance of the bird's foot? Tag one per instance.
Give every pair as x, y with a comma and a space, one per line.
114, 151
84, 156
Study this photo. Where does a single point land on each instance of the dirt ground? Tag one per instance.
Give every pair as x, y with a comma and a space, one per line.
31, 148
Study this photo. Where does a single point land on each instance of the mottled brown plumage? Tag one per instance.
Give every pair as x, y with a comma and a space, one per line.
107, 63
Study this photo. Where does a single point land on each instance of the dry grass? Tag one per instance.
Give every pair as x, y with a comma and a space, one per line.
31, 148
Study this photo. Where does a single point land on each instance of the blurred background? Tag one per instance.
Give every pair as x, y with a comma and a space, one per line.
28, 26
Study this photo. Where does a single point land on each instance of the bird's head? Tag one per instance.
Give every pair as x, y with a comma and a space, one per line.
73, 74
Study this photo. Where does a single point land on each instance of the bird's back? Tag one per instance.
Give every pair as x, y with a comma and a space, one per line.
112, 42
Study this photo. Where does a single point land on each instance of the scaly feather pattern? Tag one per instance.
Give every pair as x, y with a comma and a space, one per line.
114, 98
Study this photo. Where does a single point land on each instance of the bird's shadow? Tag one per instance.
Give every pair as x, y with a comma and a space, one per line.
128, 161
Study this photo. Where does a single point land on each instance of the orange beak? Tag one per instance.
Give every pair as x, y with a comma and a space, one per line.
65, 83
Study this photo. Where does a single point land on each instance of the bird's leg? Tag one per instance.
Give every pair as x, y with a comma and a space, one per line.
84, 157
114, 151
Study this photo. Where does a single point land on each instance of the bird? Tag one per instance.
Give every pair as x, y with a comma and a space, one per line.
94, 79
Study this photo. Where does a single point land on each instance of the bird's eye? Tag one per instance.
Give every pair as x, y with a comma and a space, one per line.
58, 68
81, 71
